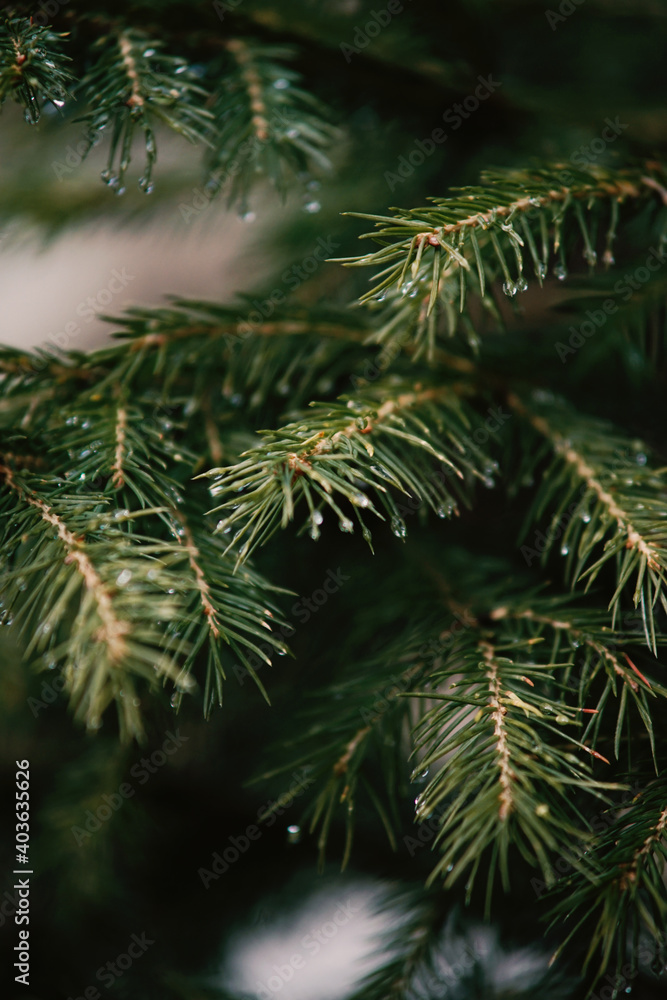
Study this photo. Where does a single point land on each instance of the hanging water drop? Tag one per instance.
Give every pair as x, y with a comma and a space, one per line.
509, 289
281, 84
522, 284
640, 458
31, 113
360, 499
311, 207
590, 256
421, 778
123, 578
560, 271
541, 270
248, 217
398, 527
564, 550
314, 532
293, 834
608, 258
346, 525
317, 517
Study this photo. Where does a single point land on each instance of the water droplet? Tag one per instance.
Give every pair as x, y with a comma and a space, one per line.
640, 458
421, 778
590, 256
31, 114
398, 527
312, 207
58, 104
489, 482
120, 515
292, 133
542, 270
147, 53
123, 577
281, 84
175, 699
293, 834
586, 518
522, 284
445, 510
560, 271
120, 190
360, 499
564, 550
146, 185
314, 532
317, 517
95, 723
509, 289
346, 525
248, 217
608, 258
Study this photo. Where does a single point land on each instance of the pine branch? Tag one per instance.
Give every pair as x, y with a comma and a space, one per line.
411, 949
357, 726
265, 122
621, 501
132, 85
365, 443
481, 234
620, 894
85, 574
598, 655
503, 779
32, 67
225, 609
